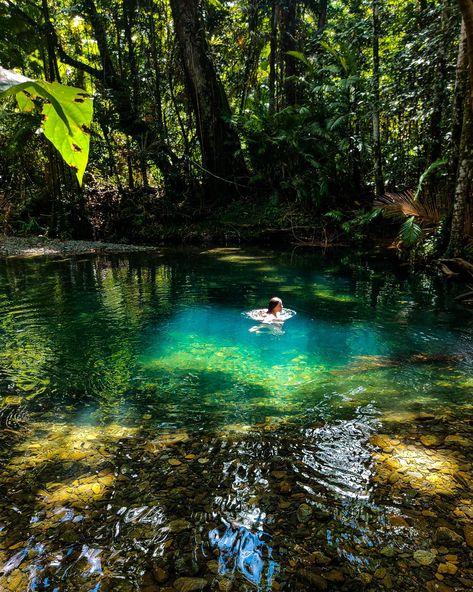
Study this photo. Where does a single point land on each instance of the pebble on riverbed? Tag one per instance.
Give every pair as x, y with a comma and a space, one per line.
142, 507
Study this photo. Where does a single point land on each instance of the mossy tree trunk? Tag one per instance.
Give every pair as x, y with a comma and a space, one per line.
462, 196
222, 158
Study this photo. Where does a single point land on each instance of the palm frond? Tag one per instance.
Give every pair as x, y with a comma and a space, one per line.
402, 205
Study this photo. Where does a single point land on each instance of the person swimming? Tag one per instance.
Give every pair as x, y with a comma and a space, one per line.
273, 313
271, 318
274, 307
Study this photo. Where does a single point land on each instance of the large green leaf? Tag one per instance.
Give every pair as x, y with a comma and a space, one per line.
299, 56
66, 111
410, 232
71, 136
435, 165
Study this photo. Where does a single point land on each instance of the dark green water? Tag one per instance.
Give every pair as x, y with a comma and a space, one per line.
111, 369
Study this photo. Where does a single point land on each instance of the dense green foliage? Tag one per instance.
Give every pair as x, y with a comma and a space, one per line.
295, 86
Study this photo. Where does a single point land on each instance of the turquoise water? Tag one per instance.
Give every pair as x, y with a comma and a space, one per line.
146, 427
111, 341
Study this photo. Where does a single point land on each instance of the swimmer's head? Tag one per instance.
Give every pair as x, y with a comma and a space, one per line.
274, 305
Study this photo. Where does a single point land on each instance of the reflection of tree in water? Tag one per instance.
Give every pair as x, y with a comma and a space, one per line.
245, 552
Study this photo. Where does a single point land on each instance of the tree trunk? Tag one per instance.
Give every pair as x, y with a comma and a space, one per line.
220, 145
53, 71
438, 103
157, 73
459, 94
463, 183
377, 158
288, 43
129, 9
460, 90
255, 45
322, 21
466, 7
462, 195
273, 44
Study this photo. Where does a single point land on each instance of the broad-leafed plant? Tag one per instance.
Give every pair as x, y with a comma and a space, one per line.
66, 114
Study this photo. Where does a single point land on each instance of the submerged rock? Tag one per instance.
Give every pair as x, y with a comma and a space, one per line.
424, 557
381, 441
468, 532
174, 462
380, 573
225, 585
444, 535
319, 558
178, 525
334, 575
447, 568
285, 487
160, 575
388, 551
423, 416
304, 512
458, 440
435, 586
190, 584
315, 580
430, 440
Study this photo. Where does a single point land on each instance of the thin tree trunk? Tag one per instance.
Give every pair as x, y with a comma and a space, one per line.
288, 43
222, 158
112, 163
256, 42
157, 73
53, 70
128, 11
178, 115
273, 43
377, 158
129, 164
322, 22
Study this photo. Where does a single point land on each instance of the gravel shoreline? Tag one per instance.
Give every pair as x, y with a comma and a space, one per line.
11, 246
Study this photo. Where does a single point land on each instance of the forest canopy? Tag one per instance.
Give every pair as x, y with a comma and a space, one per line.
214, 117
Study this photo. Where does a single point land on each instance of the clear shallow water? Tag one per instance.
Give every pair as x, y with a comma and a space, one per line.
134, 395
166, 336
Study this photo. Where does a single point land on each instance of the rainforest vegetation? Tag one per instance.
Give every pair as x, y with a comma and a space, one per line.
216, 119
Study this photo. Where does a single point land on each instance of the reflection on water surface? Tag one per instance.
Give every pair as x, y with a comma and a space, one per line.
150, 441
